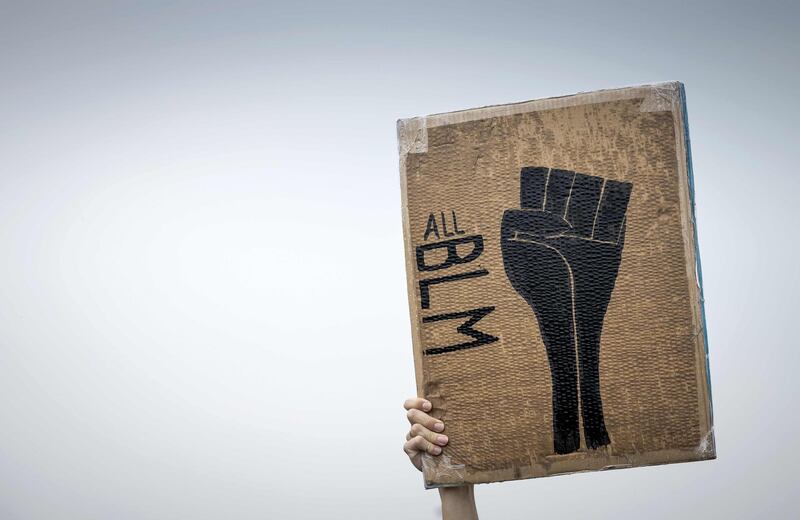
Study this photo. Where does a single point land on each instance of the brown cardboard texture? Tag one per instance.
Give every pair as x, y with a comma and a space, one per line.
554, 285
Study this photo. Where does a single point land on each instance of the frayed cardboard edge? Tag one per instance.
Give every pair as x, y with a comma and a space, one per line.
661, 98
412, 135
681, 101
442, 468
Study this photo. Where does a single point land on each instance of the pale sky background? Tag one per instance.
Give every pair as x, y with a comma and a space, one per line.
203, 308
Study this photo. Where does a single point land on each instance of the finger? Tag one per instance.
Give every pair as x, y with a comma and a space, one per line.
582, 204
532, 185
417, 430
523, 222
418, 403
418, 417
559, 186
420, 445
611, 212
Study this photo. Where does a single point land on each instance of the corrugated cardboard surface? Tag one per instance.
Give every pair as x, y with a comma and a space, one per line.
496, 398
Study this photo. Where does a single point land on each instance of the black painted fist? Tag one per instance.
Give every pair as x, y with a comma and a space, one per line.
561, 253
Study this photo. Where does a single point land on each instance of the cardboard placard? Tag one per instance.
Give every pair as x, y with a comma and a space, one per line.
554, 285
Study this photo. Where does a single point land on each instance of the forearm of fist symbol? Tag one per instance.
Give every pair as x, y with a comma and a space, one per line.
561, 252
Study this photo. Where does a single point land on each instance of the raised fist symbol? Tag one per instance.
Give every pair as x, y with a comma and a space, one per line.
561, 252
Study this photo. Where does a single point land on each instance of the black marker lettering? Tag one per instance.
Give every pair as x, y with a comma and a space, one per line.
431, 227
444, 226
455, 225
453, 257
424, 285
480, 338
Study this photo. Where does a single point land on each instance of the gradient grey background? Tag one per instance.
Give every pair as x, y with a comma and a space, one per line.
203, 308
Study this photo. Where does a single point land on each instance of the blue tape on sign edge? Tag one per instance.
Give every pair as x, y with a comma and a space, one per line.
690, 174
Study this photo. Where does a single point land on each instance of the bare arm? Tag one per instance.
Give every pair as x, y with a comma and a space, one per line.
458, 503
425, 436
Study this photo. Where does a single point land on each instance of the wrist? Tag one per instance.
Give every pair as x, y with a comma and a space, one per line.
458, 502
463, 491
